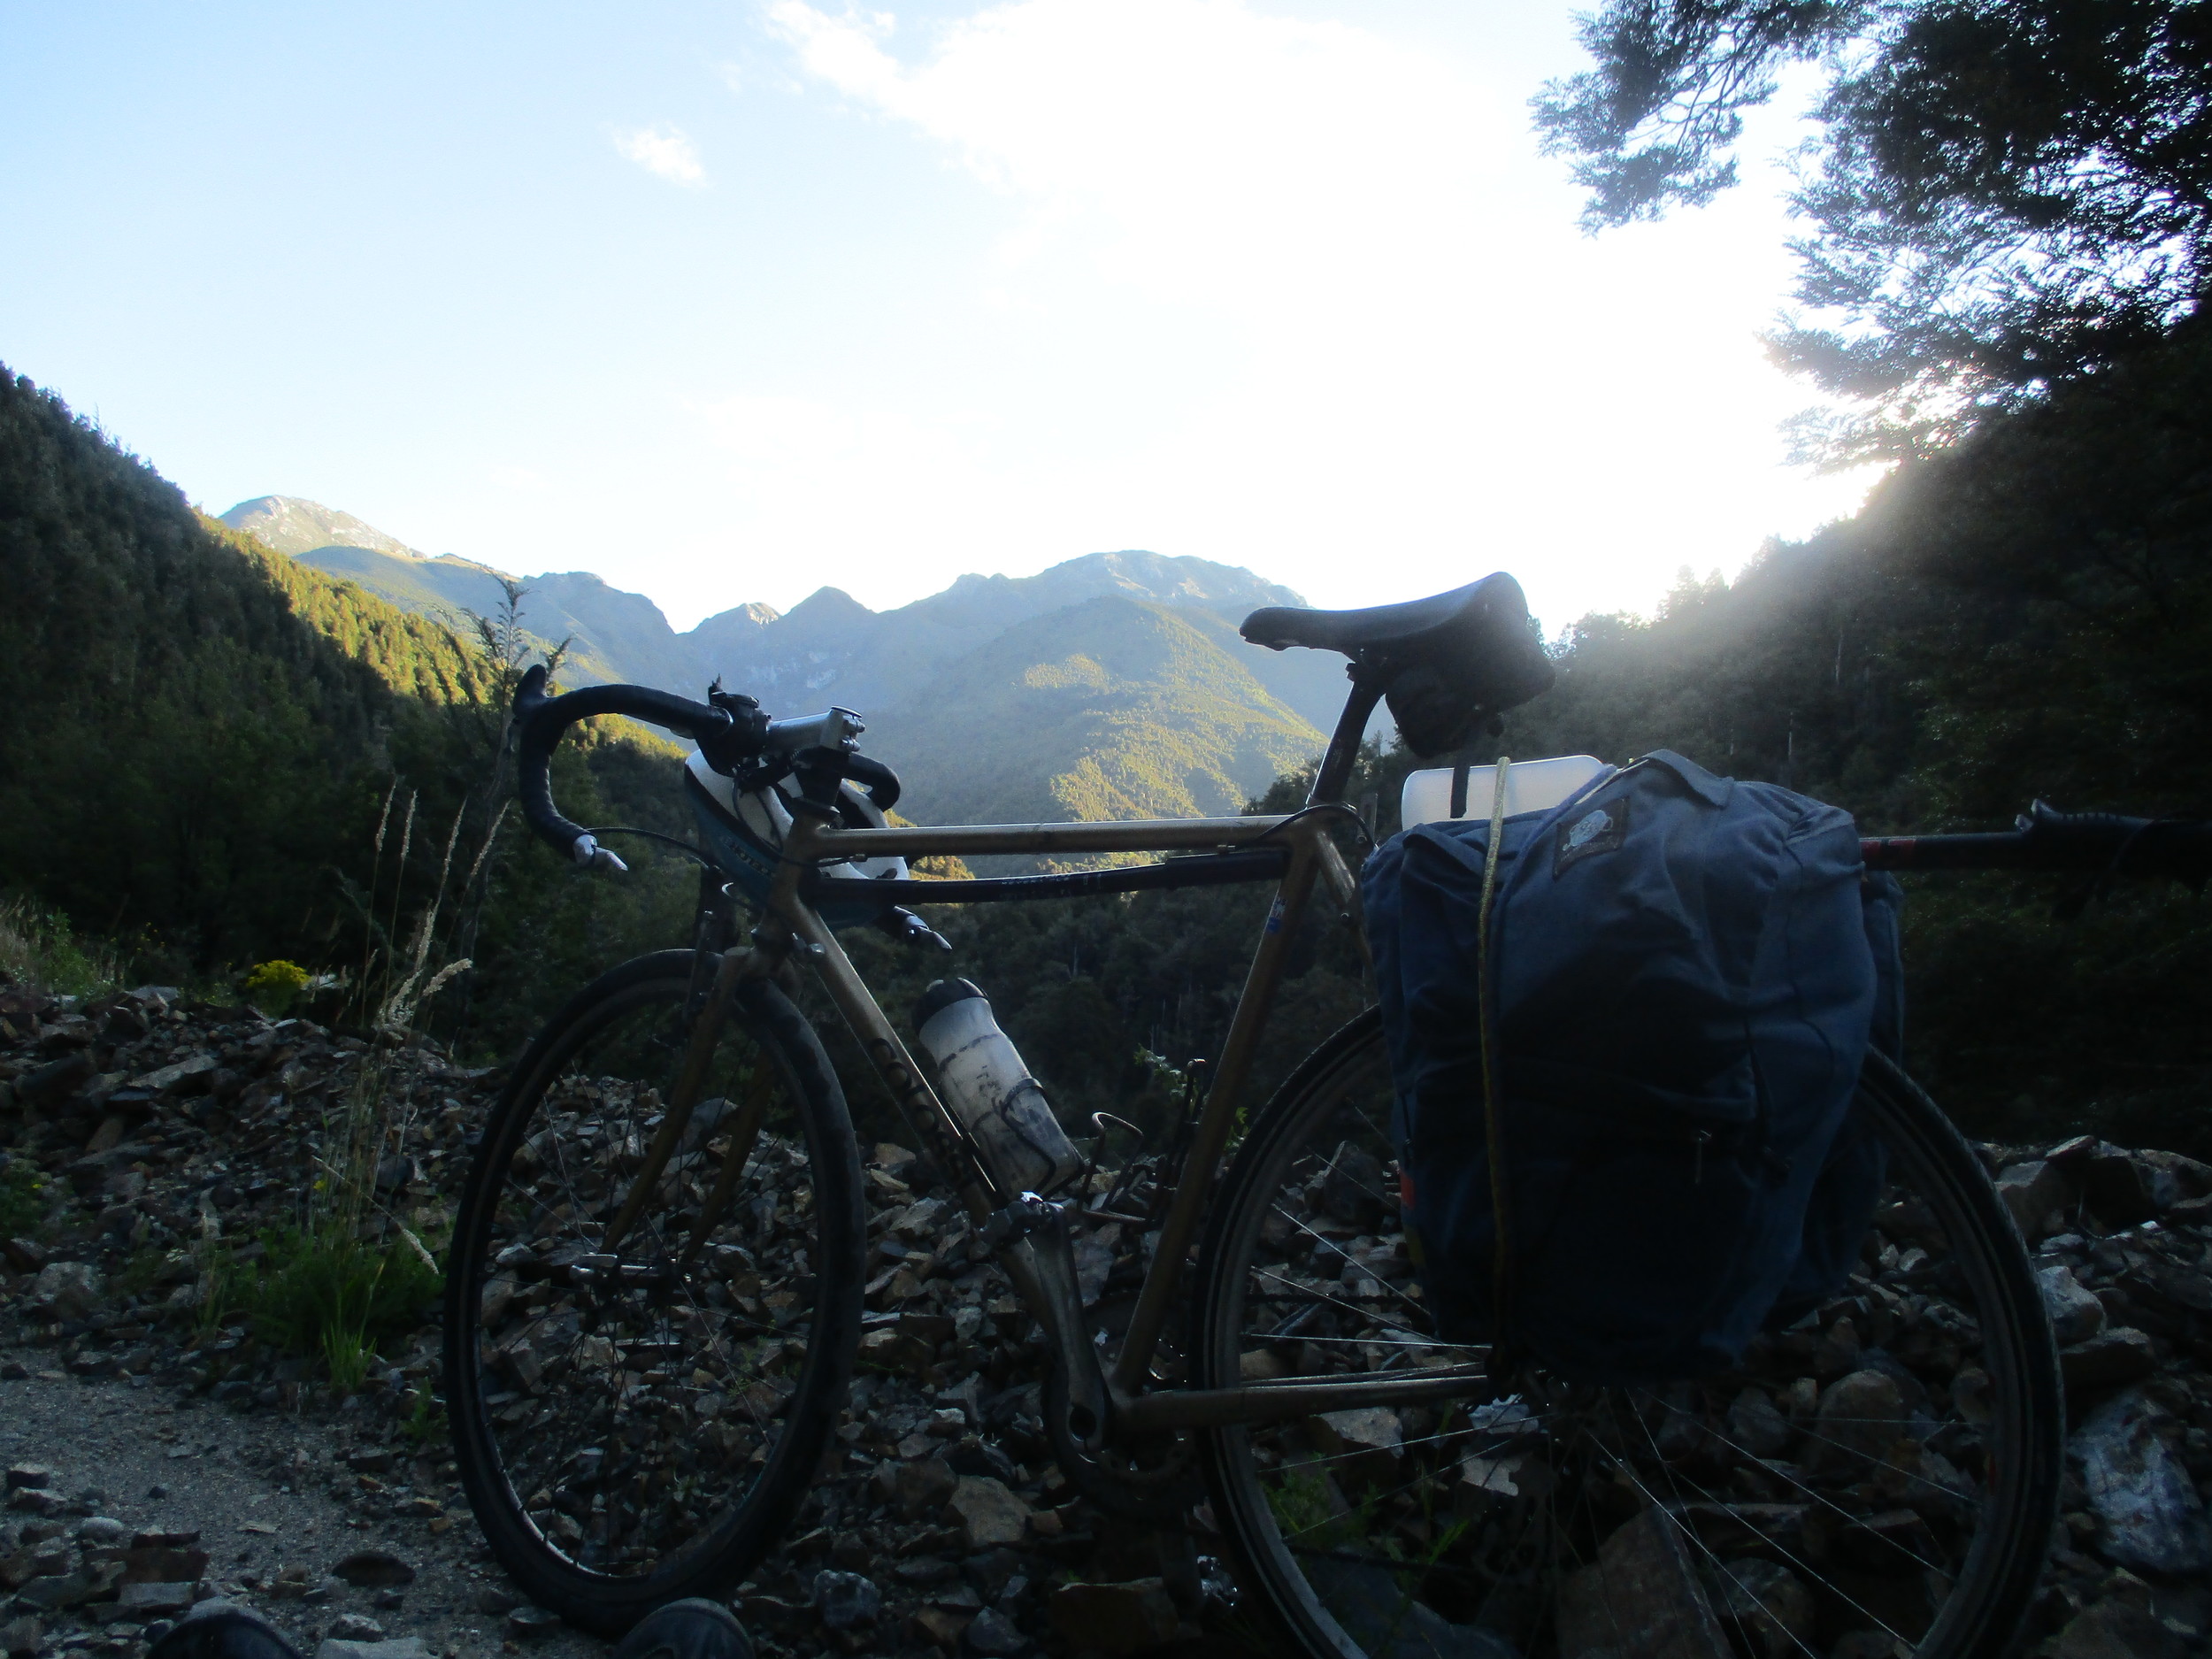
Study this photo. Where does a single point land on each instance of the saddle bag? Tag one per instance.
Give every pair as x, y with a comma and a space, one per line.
1683, 975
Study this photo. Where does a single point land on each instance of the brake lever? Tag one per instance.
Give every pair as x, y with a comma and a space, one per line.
588, 853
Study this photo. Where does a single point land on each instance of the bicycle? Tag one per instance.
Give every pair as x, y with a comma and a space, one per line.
655, 1289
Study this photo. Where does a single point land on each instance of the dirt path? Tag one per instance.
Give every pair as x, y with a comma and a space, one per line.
274, 1503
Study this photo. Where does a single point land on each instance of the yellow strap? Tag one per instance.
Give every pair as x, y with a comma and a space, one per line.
1493, 1129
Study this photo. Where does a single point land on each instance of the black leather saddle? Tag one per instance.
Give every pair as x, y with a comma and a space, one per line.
1448, 663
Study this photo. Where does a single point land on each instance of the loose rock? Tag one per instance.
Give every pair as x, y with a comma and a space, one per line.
2147, 1509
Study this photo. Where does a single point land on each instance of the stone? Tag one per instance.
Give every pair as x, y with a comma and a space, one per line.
993, 1635
169, 1076
1118, 1618
68, 1290
144, 1564
172, 1538
527, 1623
1860, 1414
2147, 1510
497, 1601
1642, 1596
846, 1600
20, 1638
374, 1570
986, 1513
154, 1600
2076, 1314
924, 1486
26, 1256
1767, 1602
889, 1348
355, 1627
2031, 1191
1757, 1425
2113, 1630
101, 1530
1362, 1445
403, 1648
941, 1625
2121, 1354
96, 1582
2123, 1192
21, 1475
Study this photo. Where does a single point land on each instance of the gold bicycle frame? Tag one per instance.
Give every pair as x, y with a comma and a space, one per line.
1047, 1285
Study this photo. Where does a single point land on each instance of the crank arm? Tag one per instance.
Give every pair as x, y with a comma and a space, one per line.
1041, 1261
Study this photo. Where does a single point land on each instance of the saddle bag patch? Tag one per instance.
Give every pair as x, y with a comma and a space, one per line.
1601, 830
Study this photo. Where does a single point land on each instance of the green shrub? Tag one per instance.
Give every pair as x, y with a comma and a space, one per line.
274, 986
25, 1195
38, 946
325, 1295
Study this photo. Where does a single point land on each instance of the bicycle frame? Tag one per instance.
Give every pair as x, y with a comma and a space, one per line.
1033, 1236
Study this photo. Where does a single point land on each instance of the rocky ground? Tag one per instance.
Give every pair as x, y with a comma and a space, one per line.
154, 1457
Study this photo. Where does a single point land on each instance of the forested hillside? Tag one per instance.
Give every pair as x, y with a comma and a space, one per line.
201, 738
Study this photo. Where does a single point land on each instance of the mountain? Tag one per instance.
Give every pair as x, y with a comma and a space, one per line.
1052, 665
1161, 722
296, 526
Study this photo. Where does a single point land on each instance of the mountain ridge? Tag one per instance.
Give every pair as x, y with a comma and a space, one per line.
1230, 716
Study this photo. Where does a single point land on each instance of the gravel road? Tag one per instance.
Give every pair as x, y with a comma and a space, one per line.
255, 1488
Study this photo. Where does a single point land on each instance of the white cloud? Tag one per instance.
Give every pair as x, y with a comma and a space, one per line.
1373, 355
663, 151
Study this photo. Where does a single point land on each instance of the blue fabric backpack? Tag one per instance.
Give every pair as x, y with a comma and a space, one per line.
1684, 973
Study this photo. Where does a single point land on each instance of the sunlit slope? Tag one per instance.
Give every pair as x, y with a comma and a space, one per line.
1113, 708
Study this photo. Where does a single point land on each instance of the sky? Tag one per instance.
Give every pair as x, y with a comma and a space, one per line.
727, 302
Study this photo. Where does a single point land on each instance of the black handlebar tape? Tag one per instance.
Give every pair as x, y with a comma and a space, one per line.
541, 721
881, 781
2086, 843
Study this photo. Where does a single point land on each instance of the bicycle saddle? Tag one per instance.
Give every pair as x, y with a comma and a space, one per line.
1403, 625
1450, 663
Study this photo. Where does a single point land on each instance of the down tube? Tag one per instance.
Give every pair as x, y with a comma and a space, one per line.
1218, 1115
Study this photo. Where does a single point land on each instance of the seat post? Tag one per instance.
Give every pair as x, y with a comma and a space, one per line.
1368, 684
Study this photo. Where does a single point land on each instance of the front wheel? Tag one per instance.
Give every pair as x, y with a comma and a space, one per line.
637, 1424
1879, 1480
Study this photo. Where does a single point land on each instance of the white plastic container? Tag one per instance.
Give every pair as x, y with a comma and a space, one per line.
1530, 785
991, 1092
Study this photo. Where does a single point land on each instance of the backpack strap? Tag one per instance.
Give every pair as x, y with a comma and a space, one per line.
1459, 791
1493, 1124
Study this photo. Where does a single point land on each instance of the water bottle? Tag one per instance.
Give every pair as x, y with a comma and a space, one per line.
991, 1092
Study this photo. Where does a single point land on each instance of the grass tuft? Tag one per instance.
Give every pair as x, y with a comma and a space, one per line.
324, 1294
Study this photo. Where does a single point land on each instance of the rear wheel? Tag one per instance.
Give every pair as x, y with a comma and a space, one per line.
637, 1424
1881, 1478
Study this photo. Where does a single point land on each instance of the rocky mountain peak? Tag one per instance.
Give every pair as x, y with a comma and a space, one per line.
290, 523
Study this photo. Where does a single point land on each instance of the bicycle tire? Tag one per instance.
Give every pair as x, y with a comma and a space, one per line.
1519, 1495
646, 1433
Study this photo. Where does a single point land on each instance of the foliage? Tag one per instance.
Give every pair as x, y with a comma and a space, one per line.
202, 733
324, 1294
2005, 194
274, 986
25, 1195
39, 948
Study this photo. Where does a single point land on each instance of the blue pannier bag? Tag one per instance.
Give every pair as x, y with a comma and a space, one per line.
1684, 974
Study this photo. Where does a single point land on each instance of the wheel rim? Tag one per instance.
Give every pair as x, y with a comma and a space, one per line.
630, 1403
1561, 1518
